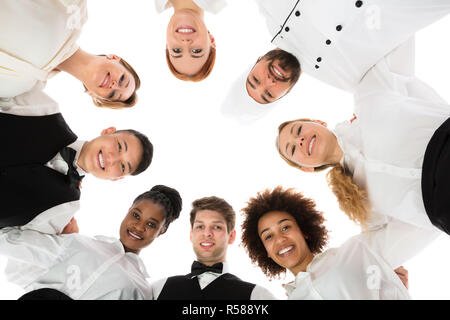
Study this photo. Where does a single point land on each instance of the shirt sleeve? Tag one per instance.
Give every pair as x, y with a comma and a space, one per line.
53, 220
157, 287
398, 241
260, 293
31, 247
31, 103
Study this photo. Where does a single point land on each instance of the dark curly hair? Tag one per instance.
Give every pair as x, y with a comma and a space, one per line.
309, 220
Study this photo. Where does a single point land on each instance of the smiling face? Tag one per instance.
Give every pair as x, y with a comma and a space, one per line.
112, 155
210, 238
308, 144
143, 223
272, 76
109, 80
188, 42
284, 241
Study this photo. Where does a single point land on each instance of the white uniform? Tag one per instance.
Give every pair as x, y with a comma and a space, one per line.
338, 41
362, 268
384, 146
83, 268
212, 6
36, 37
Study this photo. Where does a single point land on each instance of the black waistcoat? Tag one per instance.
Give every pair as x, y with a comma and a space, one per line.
436, 178
225, 287
27, 186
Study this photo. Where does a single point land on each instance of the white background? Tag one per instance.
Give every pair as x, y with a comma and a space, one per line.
201, 153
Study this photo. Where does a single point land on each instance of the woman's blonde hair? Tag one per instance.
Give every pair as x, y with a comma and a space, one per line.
199, 76
352, 200
131, 101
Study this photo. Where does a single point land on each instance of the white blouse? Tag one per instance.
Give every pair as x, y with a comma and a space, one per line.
212, 6
83, 268
362, 268
36, 37
338, 41
384, 146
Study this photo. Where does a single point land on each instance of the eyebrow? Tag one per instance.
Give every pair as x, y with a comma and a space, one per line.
215, 221
128, 83
279, 222
250, 84
176, 57
197, 57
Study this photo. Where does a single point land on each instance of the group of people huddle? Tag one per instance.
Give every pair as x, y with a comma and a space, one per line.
387, 166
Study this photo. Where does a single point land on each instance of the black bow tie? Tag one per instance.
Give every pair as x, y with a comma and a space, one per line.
72, 177
199, 268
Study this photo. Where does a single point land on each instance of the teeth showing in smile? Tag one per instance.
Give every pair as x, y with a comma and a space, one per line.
311, 144
206, 244
285, 250
106, 80
278, 73
100, 160
134, 235
185, 30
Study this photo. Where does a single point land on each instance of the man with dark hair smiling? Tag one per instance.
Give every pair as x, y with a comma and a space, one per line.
334, 41
43, 163
212, 230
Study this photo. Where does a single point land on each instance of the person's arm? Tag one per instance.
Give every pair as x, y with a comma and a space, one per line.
157, 287
398, 241
54, 220
31, 103
31, 247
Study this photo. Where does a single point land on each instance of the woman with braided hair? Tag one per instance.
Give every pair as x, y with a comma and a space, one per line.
82, 267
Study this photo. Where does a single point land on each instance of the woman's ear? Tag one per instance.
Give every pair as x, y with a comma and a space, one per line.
112, 56
213, 41
321, 122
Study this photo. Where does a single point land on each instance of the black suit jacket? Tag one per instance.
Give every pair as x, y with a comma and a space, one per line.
27, 186
225, 287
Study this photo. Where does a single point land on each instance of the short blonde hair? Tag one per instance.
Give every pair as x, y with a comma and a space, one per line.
131, 101
199, 76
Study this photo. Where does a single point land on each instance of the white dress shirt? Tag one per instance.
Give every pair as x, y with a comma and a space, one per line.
204, 279
82, 267
36, 37
396, 115
36, 103
338, 41
361, 268
211, 6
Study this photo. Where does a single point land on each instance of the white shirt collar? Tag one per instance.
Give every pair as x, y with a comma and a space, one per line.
130, 255
77, 145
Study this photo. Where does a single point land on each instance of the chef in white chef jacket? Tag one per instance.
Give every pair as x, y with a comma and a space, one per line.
338, 41
49, 28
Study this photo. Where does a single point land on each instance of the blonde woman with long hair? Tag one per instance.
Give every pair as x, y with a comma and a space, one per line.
376, 159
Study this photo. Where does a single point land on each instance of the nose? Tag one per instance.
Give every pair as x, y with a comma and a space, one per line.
300, 140
114, 84
208, 232
140, 227
186, 40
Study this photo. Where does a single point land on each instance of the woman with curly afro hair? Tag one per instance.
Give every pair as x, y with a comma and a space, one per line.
282, 230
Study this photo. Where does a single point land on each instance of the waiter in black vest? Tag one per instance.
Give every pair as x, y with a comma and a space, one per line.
212, 230
42, 162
